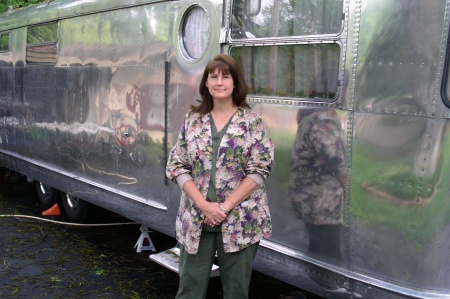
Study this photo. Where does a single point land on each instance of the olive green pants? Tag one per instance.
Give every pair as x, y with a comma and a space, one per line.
235, 269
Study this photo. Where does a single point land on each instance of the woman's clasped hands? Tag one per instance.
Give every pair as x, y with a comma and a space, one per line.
213, 214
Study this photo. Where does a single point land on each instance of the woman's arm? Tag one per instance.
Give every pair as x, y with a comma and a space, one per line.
177, 162
242, 192
261, 151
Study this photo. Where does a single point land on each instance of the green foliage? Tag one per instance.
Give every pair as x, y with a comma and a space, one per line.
4, 42
400, 200
14, 4
43, 33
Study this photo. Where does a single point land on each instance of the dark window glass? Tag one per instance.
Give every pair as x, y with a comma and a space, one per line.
45, 33
308, 72
283, 18
4, 42
41, 44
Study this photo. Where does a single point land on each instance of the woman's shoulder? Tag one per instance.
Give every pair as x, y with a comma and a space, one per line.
193, 115
249, 114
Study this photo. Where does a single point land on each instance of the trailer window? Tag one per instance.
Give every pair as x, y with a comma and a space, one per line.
282, 18
41, 43
307, 72
4, 42
195, 33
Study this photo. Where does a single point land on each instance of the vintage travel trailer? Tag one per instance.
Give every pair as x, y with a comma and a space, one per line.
354, 94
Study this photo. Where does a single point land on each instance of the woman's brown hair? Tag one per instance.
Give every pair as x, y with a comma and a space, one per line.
227, 66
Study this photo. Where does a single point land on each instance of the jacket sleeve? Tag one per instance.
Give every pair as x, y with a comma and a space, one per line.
177, 162
262, 150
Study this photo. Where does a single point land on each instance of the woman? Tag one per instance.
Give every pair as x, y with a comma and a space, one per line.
221, 159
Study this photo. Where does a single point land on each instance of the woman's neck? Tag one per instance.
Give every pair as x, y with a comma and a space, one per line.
222, 114
223, 107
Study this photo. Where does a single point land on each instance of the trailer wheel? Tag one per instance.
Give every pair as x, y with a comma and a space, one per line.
74, 208
48, 196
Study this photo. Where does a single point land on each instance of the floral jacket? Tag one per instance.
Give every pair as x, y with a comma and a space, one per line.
245, 149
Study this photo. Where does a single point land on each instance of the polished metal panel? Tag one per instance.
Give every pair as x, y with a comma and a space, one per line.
98, 121
287, 129
60, 9
399, 214
112, 77
399, 201
401, 50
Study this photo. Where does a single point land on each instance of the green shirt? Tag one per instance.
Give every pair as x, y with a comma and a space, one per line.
211, 195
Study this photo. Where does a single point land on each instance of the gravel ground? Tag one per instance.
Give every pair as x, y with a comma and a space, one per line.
47, 260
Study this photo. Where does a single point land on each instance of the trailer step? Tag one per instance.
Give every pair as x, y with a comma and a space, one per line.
170, 259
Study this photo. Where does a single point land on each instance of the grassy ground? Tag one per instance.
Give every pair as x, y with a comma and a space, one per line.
40, 259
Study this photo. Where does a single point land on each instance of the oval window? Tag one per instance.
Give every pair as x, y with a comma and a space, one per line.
195, 32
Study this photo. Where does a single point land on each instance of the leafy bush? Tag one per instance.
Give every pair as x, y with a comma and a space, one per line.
14, 4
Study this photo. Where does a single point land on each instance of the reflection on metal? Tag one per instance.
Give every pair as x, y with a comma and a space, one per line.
360, 280
355, 111
128, 180
60, 173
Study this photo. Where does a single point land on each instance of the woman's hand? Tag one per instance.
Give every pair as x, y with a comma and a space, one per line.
211, 210
213, 214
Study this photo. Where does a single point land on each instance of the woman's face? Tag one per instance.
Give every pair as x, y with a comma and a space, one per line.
220, 86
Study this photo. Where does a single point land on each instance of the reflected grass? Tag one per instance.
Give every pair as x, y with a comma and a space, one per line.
398, 199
